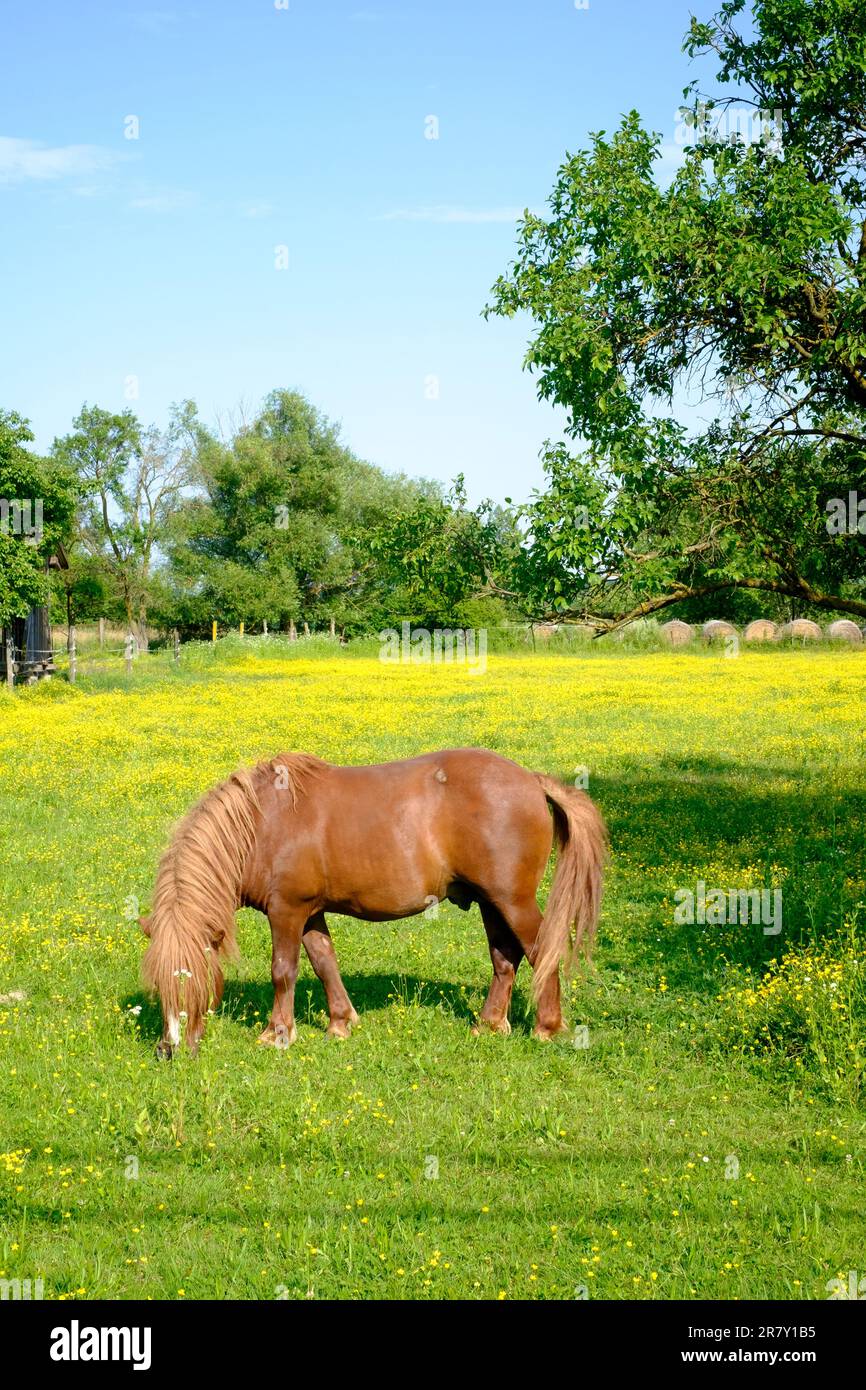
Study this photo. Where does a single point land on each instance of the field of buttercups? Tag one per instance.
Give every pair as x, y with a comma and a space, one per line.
698, 1134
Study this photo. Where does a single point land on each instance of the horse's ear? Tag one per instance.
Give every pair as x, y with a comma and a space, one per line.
144, 923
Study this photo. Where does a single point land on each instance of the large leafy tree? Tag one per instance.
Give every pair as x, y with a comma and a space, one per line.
131, 482
740, 287
276, 529
429, 560
38, 500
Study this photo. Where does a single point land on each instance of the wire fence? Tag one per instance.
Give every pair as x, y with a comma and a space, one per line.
90, 650
73, 652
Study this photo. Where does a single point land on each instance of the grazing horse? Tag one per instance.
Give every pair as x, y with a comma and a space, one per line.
296, 838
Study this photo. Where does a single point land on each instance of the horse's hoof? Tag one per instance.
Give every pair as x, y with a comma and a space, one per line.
341, 1027
542, 1034
164, 1051
278, 1035
486, 1026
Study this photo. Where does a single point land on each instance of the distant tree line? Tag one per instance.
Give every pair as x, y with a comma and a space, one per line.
277, 522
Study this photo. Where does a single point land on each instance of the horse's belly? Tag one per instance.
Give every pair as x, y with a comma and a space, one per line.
403, 877
382, 898
369, 910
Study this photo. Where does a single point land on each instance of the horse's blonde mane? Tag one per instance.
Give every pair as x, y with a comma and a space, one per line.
199, 881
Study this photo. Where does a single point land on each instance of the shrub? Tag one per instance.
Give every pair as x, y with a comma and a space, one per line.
809, 1007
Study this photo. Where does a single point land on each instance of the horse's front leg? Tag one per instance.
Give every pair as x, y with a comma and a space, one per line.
195, 1031
323, 958
287, 927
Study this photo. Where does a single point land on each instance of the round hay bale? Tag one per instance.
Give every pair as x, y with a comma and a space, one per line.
717, 630
802, 630
677, 633
761, 630
843, 630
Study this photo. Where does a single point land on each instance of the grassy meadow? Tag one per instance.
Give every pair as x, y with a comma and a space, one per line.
708, 1142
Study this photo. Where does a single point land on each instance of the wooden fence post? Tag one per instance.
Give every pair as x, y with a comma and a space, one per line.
333, 629
293, 631
213, 631
176, 636
101, 632
242, 629
10, 660
264, 627
306, 629
72, 655
128, 654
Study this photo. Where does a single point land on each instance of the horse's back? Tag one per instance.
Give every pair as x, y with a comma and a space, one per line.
448, 785
457, 814
385, 840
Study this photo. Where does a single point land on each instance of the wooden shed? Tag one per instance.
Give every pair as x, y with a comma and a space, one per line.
31, 639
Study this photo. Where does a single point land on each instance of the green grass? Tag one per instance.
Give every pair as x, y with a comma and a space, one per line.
416, 1161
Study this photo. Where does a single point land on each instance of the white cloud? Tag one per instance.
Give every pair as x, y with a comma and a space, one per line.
23, 160
156, 22
445, 213
170, 200
257, 210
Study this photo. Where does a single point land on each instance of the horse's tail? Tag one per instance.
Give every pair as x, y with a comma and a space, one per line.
574, 901
196, 897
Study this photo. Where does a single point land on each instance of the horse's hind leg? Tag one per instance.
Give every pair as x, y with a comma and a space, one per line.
506, 953
524, 919
287, 926
323, 958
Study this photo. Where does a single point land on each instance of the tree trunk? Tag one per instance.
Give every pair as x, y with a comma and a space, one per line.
140, 629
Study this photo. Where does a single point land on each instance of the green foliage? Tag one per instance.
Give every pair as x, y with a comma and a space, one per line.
428, 559
278, 522
287, 524
810, 1008
130, 481
261, 530
742, 284
25, 478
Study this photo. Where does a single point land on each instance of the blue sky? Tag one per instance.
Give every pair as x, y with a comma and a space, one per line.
260, 127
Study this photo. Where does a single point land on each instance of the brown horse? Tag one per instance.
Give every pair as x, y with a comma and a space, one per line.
296, 838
